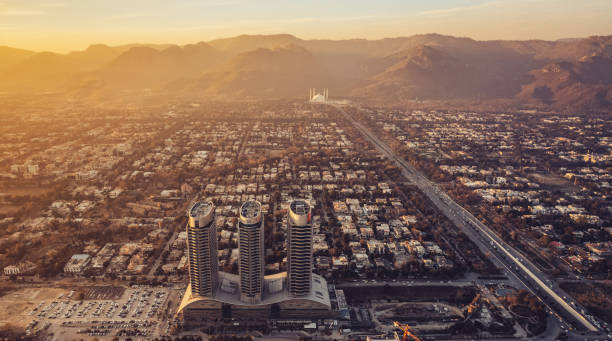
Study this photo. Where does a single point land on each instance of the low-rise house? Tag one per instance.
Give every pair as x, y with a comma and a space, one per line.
340, 262
20, 269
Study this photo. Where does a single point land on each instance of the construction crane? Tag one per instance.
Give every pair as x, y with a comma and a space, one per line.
470, 307
406, 329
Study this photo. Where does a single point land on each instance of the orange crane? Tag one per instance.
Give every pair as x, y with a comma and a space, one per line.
406, 329
470, 307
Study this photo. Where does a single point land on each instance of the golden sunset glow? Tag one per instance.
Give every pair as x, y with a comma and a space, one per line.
246, 170
70, 25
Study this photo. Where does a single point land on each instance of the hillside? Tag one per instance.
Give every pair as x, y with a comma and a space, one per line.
423, 72
147, 67
10, 56
579, 84
271, 73
567, 74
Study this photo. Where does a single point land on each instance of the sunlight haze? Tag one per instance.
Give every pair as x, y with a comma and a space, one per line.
71, 25
356, 170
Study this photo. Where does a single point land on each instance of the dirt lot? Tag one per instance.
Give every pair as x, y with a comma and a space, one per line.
17, 305
20, 191
415, 293
413, 311
8, 209
555, 182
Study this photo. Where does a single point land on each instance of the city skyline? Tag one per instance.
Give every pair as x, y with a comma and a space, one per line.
70, 25
108, 209
251, 296
238, 170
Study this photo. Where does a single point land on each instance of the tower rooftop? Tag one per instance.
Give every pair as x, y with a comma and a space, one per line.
202, 211
250, 212
299, 212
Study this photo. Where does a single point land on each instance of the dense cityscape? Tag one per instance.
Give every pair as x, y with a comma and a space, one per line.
441, 224
237, 170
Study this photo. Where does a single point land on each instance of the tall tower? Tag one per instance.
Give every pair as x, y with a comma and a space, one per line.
251, 252
202, 249
299, 258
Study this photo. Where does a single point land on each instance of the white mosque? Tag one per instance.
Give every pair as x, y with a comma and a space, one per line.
319, 97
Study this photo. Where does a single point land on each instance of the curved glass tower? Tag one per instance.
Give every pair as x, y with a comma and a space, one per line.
251, 252
202, 249
299, 240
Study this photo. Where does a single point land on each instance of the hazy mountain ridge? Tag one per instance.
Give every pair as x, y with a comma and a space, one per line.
263, 72
574, 84
430, 66
148, 67
10, 56
54, 70
245, 43
422, 72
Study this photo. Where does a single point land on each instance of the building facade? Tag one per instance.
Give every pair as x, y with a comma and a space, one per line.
251, 252
202, 249
249, 297
77, 263
299, 242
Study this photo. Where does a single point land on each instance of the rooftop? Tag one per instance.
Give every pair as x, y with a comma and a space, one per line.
201, 214
299, 213
200, 209
250, 209
250, 212
300, 207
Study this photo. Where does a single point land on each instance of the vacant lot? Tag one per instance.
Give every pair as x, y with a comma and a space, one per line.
554, 182
17, 305
8, 209
416, 311
21, 191
416, 293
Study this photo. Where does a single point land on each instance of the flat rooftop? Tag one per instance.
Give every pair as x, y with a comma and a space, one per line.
250, 209
299, 213
300, 207
201, 208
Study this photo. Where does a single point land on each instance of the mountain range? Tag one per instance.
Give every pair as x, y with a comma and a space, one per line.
568, 74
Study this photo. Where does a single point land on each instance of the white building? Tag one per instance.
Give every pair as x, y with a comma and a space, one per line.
77, 263
318, 97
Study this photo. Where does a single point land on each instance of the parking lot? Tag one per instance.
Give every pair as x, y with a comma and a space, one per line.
103, 293
136, 312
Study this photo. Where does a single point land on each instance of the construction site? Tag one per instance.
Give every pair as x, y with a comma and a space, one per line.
426, 312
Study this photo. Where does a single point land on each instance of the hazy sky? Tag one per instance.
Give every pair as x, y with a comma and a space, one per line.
74, 24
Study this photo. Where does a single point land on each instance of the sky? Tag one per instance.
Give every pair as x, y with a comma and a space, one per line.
63, 25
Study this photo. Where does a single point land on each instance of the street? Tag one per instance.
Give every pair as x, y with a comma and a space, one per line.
504, 256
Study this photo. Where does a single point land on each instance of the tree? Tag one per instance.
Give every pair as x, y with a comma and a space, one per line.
543, 241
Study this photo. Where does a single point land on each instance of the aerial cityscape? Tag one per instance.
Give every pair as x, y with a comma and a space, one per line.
261, 186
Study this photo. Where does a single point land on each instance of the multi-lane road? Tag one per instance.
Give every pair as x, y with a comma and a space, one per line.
516, 266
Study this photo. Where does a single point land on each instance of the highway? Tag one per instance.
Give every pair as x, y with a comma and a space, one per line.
516, 265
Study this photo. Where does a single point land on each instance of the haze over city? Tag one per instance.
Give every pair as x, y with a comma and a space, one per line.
348, 170
61, 26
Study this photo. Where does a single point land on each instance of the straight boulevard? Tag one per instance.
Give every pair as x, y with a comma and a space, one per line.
504, 256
